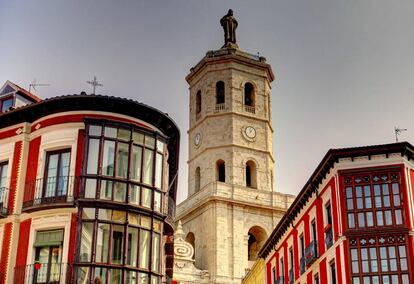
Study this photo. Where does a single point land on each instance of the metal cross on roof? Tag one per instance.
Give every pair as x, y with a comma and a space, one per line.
94, 83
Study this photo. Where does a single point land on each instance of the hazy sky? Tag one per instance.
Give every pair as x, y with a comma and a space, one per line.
344, 69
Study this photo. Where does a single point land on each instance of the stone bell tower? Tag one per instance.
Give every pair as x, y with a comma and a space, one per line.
231, 207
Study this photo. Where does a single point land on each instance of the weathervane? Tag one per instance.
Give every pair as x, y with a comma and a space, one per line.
398, 131
94, 83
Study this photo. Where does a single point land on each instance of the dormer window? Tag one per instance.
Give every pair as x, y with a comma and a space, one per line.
6, 104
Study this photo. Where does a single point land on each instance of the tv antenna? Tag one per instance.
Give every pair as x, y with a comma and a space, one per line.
34, 84
94, 84
398, 131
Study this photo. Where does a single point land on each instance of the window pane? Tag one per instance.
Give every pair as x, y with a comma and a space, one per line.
144, 246
155, 252
95, 130
158, 170
398, 217
358, 191
350, 204
134, 195
143, 278
93, 155
106, 189
88, 213
122, 160
148, 166
157, 201
90, 188
86, 242
360, 204
361, 220
115, 276
380, 218
110, 132
149, 142
146, 197
397, 200
132, 252
120, 191
100, 275
108, 158
348, 192
3, 175
131, 277
370, 219
351, 220
136, 163
7, 104
117, 244
83, 274
102, 243
160, 146
138, 138
388, 217
124, 134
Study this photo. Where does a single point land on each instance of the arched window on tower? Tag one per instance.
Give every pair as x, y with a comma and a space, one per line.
198, 103
251, 177
249, 98
220, 94
197, 178
221, 171
190, 238
256, 238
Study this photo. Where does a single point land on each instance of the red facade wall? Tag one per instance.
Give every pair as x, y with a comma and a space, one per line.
31, 172
5, 251
23, 242
14, 175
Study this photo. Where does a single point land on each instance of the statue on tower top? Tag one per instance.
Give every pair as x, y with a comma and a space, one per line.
229, 24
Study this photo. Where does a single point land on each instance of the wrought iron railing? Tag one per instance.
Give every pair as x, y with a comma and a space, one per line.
44, 273
220, 107
250, 109
291, 276
311, 252
302, 265
329, 238
49, 191
4, 200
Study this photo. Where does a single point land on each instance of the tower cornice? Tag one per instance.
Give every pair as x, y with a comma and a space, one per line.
231, 55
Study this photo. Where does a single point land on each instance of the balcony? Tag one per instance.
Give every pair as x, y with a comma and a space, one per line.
44, 273
311, 252
329, 238
4, 200
302, 265
280, 280
250, 109
291, 276
220, 107
50, 192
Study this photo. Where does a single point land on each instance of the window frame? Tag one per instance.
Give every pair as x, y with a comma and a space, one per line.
378, 242
6, 98
99, 177
46, 171
351, 180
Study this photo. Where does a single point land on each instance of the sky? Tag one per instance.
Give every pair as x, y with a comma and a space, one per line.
344, 69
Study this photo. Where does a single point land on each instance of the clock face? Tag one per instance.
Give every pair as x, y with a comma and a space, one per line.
197, 139
250, 132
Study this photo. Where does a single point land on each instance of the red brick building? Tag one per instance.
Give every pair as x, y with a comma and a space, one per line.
88, 187
351, 223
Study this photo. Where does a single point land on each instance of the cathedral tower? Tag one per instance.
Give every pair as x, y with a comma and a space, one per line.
231, 206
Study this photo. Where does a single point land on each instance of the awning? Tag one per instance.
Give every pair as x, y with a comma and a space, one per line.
49, 238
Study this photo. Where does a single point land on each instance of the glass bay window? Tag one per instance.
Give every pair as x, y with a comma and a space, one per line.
116, 154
